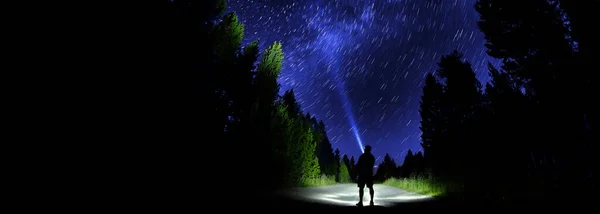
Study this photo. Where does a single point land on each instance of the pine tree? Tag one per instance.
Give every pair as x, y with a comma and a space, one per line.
346, 160
344, 176
267, 73
408, 165
530, 37
241, 89
459, 104
534, 41
386, 169
289, 98
336, 165
431, 121
352, 169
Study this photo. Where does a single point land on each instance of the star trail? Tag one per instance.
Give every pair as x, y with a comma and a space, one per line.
360, 65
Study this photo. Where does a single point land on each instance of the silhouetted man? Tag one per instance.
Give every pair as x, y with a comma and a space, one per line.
365, 164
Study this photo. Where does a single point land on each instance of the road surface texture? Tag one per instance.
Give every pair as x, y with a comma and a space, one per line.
345, 197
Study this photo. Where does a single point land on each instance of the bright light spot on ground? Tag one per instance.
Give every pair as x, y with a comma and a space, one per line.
352, 199
406, 197
347, 195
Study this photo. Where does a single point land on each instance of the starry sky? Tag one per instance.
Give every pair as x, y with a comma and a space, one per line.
360, 65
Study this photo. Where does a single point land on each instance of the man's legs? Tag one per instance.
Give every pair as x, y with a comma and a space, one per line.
372, 192
361, 192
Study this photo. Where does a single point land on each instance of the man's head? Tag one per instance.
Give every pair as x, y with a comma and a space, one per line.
367, 149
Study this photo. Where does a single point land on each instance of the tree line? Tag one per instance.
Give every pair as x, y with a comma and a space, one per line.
531, 133
232, 92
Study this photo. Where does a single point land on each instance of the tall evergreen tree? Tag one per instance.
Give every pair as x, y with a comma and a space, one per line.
325, 152
261, 115
407, 165
346, 160
289, 98
228, 35
225, 94
267, 88
460, 103
431, 122
336, 164
241, 90
352, 169
534, 41
531, 37
447, 114
386, 169
267, 73
418, 164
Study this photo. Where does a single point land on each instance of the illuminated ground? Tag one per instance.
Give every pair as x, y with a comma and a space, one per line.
343, 197
346, 195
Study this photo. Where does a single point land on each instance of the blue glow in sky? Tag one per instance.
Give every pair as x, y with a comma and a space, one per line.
334, 41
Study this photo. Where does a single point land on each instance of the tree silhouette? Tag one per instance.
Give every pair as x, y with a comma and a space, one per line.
228, 95
241, 91
289, 98
447, 114
413, 166
352, 169
294, 160
534, 41
227, 35
296, 147
507, 144
324, 151
386, 169
432, 123
337, 165
346, 160
418, 164
408, 165
266, 78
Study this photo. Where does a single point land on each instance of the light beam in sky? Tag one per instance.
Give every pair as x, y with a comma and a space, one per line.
350, 115
333, 42
330, 46
336, 38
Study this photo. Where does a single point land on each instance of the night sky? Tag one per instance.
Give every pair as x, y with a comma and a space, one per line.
359, 65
